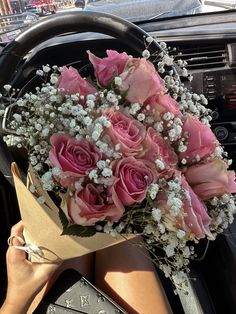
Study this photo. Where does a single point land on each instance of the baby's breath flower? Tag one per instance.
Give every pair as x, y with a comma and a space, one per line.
184, 161
38, 127
141, 116
135, 107
93, 174
39, 72
146, 54
180, 234
156, 214
107, 172
56, 171
167, 116
87, 121
153, 190
7, 87
46, 68
118, 81
182, 148
20, 102
169, 249
160, 164
101, 164
158, 126
53, 79
149, 39
97, 131
17, 117
163, 45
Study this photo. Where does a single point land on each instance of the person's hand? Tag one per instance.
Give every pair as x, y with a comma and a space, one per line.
25, 279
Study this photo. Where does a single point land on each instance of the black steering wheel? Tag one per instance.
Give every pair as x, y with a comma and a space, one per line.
59, 24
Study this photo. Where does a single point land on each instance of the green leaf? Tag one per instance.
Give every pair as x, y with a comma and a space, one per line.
63, 219
78, 230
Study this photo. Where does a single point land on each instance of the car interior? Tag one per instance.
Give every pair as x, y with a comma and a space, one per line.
207, 42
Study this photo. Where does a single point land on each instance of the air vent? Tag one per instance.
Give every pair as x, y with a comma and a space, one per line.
203, 57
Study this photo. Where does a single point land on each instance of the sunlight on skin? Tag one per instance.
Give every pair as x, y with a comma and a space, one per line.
130, 279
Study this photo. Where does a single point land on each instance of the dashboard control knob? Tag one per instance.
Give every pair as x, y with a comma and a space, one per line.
221, 133
215, 115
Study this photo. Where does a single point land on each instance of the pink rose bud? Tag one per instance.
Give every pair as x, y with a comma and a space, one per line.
156, 148
192, 218
196, 220
201, 140
160, 104
211, 179
141, 81
88, 206
71, 81
106, 68
126, 132
133, 177
75, 158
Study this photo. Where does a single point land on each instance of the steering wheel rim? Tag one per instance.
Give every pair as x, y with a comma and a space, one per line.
59, 24
70, 22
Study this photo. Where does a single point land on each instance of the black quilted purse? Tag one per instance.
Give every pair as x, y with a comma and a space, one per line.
72, 293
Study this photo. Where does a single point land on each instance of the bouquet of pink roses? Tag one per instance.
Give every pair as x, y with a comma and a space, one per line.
129, 152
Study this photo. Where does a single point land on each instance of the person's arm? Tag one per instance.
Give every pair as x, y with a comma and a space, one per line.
25, 279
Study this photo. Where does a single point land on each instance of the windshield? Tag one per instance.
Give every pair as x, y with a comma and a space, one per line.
140, 10
12, 15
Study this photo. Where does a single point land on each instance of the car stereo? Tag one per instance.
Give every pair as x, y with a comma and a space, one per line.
220, 89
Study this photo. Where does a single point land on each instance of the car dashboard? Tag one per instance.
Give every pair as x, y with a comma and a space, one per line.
208, 45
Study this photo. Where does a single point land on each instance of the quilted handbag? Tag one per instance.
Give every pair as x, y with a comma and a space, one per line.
72, 293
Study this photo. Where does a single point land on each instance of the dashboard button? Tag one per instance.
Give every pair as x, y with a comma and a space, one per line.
221, 133
215, 115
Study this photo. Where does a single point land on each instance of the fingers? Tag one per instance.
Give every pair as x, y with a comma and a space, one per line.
17, 239
17, 233
17, 229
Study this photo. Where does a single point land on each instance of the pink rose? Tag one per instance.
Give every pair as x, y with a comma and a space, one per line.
193, 217
196, 220
126, 131
75, 158
155, 147
211, 179
201, 140
88, 206
160, 104
106, 68
73, 83
141, 81
133, 177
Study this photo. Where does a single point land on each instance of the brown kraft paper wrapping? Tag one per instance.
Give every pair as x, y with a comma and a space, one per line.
43, 228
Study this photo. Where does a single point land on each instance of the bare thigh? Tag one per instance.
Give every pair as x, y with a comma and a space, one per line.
125, 273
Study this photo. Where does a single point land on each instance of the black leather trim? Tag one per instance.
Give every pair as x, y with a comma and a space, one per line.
69, 22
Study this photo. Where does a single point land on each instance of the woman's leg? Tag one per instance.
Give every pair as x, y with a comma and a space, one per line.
128, 276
